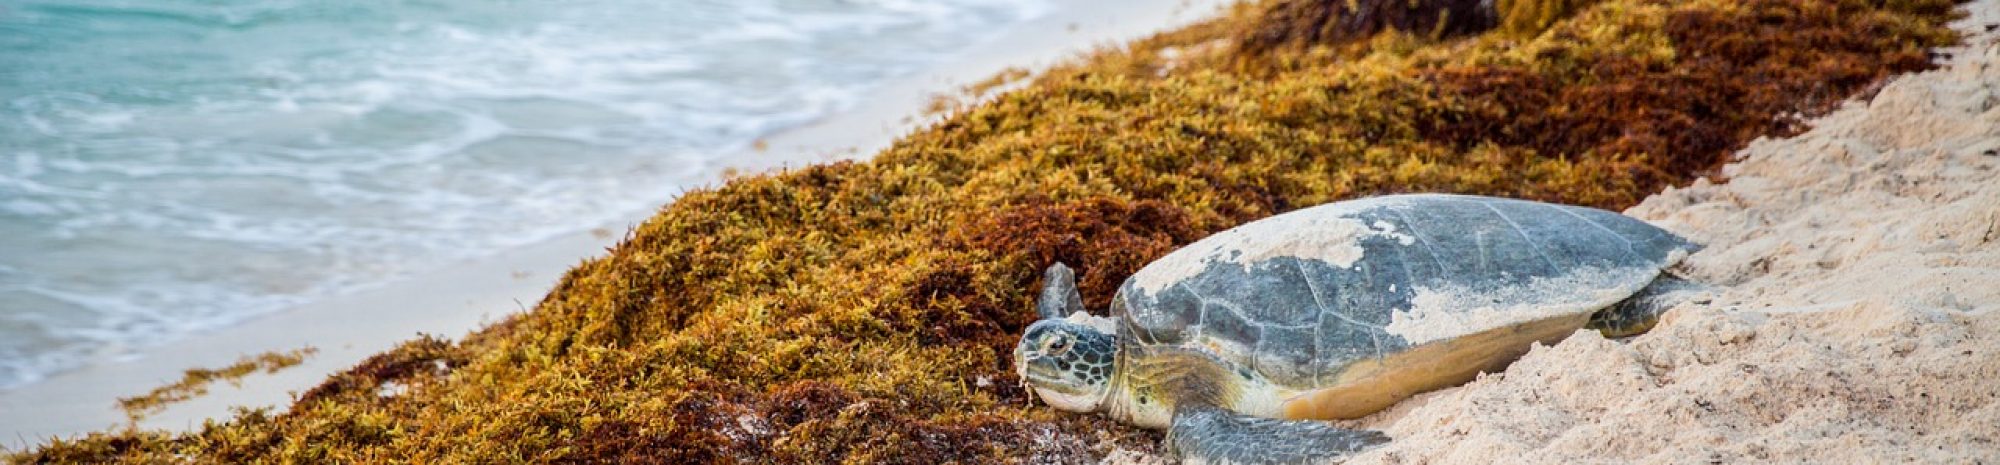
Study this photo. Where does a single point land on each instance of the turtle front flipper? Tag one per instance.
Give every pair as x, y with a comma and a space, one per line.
1059, 295
1209, 435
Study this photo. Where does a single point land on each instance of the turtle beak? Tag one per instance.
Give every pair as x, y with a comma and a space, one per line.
1052, 386
1032, 393
1041, 368
1021, 366
1021, 374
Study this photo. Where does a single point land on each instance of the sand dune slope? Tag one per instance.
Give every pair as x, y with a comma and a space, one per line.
1858, 322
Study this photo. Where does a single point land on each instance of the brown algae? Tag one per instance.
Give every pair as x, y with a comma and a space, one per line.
195, 381
862, 312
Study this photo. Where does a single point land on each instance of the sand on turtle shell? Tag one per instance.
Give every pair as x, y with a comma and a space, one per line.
1858, 322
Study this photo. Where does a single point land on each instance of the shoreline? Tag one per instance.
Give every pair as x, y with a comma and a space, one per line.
464, 296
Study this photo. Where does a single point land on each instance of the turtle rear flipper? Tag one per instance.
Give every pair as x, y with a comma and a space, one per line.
1639, 313
1208, 435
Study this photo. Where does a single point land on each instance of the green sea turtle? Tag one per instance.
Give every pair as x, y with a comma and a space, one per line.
1238, 342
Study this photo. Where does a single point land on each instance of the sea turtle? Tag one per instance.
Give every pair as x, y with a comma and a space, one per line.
1236, 343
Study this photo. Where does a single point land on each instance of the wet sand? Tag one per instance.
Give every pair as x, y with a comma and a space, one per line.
458, 299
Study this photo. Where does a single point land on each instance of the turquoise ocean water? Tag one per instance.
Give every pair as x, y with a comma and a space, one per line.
174, 166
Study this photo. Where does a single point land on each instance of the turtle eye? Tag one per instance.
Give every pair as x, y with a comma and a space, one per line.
1056, 346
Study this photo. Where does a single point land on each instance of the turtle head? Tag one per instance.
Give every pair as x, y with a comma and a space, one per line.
1068, 363
1068, 357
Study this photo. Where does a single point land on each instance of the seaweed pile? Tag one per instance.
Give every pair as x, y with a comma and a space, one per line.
862, 312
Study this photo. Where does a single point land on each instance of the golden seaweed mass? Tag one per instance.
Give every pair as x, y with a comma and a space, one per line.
863, 312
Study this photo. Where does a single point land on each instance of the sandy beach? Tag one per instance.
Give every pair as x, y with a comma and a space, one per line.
1854, 321
1835, 160
1857, 266
452, 301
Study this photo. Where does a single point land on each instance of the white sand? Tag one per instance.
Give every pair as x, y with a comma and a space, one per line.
453, 301
1859, 322
1858, 319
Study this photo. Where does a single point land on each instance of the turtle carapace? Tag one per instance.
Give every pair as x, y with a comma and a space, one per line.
1237, 343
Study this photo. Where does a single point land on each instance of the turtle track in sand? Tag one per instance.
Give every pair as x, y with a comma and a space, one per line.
1860, 322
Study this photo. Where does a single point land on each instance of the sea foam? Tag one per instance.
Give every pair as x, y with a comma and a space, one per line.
175, 166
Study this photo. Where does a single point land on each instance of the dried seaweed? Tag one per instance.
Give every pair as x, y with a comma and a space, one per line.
863, 312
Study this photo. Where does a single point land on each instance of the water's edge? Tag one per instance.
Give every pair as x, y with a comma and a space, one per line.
175, 167
464, 296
